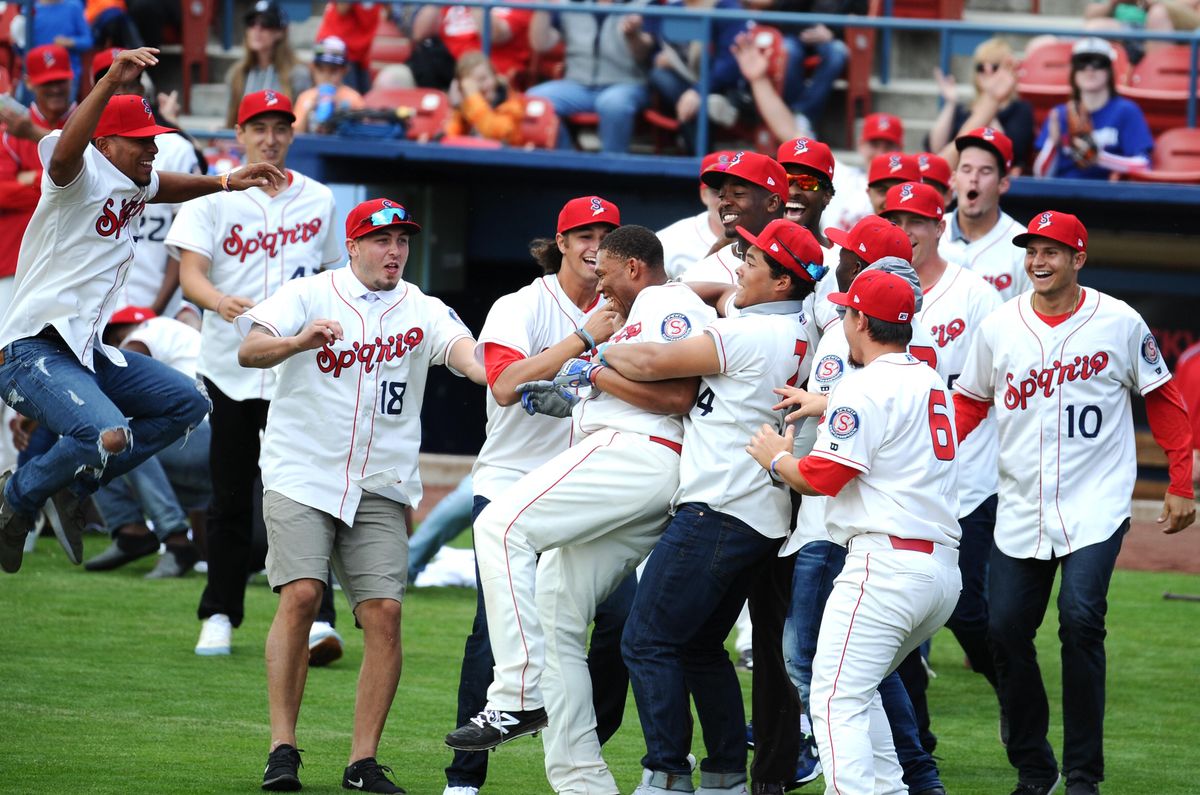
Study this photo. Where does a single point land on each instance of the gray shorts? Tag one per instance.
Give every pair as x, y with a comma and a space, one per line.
370, 557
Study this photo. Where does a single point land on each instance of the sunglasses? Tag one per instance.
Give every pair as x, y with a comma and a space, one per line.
986, 68
388, 216
1090, 62
806, 181
814, 270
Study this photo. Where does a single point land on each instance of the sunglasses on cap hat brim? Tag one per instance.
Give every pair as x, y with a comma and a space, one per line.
814, 270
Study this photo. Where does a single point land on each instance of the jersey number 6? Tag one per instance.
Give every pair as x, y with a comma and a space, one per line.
941, 430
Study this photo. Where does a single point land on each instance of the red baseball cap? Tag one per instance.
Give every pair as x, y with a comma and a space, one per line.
934, 169
990, 139
752, 167
1060, 227
129, 116
883, 126
48, 63
132, 314
916, 198
881, 295
722, 156
872, 239
379, 214
587, 210
267, 101
807, 152
103, 60
790, 246
893, 166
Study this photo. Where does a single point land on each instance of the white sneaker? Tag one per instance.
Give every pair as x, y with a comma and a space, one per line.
324, 644
216, 635
461, 791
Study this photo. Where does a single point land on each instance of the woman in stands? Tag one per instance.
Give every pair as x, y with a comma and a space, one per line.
269, 62
1096, 134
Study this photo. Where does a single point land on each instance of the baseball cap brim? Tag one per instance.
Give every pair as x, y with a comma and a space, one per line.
51, 76
287, 114
840, 299
963, 141
840, 237
149, 131
1022, 240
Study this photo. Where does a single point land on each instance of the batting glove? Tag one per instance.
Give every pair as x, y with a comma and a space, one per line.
546, 397
577, 373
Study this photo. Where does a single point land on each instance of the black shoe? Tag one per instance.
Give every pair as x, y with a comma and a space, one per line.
367, 775
1003, 726
766, 788
65, 512
932, 791
493, 727
177, 561
1081, 787
745, 660
123, 549
14, 527
283, 770
1038, 789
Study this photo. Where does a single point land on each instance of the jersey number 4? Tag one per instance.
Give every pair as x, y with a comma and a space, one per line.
941, 430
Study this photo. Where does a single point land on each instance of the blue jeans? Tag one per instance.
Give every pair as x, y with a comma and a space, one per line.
969, 622
810, 96
818, 564
443, 524
1019, 591
617, 106
42, 379
162, 488
688, 599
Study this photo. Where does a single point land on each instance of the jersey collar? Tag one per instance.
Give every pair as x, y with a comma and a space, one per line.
774, 308
348, 282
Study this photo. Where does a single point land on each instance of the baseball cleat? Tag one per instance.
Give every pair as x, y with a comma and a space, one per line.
494, 727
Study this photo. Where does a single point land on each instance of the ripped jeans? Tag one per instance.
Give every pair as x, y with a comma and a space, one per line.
149, 402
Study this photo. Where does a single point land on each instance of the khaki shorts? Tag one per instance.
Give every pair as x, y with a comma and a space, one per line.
370, 557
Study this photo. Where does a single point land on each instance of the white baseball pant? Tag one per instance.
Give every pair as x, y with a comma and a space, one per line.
884, 604
593, 512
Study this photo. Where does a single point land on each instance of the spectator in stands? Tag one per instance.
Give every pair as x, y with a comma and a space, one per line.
1097, 134
996, 104
111, 24
607, 58
269, 61
355, 24
482, 104
690, 239
1170, 15
882, 133
458, 28
62, 22
676, 74
315, 106
168, 487
1118, 15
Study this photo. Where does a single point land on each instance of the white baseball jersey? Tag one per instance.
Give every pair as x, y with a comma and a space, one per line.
1062, 400
347, 416
992, 256
951, 312
256, 243
685, 243
76, 254
663, 313
170, 342
893, 421
529, 321
831, 362
850, 203
720, 266
765, 346
824, 313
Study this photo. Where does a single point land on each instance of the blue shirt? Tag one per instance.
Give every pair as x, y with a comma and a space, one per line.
62, 19
1119, 128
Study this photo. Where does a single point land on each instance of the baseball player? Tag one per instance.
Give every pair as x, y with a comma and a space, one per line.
629, 454
885, 453
882, 133
729, 523
935, 171
691, 239
978, 231
339, 463
887, 171
529, 335
872, 243
232, 255
1058, 364
753, 190
111, 411
956, 302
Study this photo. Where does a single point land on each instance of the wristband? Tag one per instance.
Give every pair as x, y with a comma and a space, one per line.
588, 341
775, 475
225, 182
600, 355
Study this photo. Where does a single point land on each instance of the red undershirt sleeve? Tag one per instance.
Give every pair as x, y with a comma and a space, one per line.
1169, 423
968, 413
827, 477
496, 358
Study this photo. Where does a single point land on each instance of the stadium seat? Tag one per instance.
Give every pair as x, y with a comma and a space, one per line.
928, 9
425, 109
387, 50
1176, 157
1043, 77
1159, 85
859, 65
197, 19
539, 126
5, 81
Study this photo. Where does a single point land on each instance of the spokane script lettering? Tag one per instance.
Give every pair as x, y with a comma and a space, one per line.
110, 223
1081, 368
268, 242
368, 354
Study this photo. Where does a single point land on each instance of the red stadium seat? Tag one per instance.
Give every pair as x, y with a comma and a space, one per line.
470, 142
1176, 157
861, 43
5, 81
539, 126
929, 9
387, 50
1044, 75
1159, 85
426, 109
197, 18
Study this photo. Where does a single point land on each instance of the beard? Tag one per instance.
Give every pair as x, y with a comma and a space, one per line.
854, 361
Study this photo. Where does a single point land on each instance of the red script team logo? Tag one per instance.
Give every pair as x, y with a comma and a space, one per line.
110, 223
269, 242
1081, 368
368, 354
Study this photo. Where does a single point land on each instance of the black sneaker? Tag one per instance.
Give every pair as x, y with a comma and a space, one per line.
283, 770
1080, 787
125, 548
1038, 789
367, 775
14, 527
493, 727
65, 511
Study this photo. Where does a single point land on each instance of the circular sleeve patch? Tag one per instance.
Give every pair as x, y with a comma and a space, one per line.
676, 326
843, 423
1150, 349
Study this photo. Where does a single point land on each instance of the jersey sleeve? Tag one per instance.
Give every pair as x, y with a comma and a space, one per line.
853, 427
444, 329
284, 313
1148, 371
677, 314
76, 189
737, 350
332, 248
192, 229
509, 323
975, 380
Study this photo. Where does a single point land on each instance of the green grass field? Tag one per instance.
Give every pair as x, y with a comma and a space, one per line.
101, 693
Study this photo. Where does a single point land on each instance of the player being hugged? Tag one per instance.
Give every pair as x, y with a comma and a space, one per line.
1058, 363
339, 461
111, 411
885, 453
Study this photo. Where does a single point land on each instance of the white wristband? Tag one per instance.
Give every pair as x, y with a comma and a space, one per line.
775, 460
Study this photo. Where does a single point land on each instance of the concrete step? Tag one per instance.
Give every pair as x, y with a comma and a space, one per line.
210, 99
1071, 8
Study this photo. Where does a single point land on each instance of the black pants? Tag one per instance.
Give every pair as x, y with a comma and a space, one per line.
775, 702
233, 464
